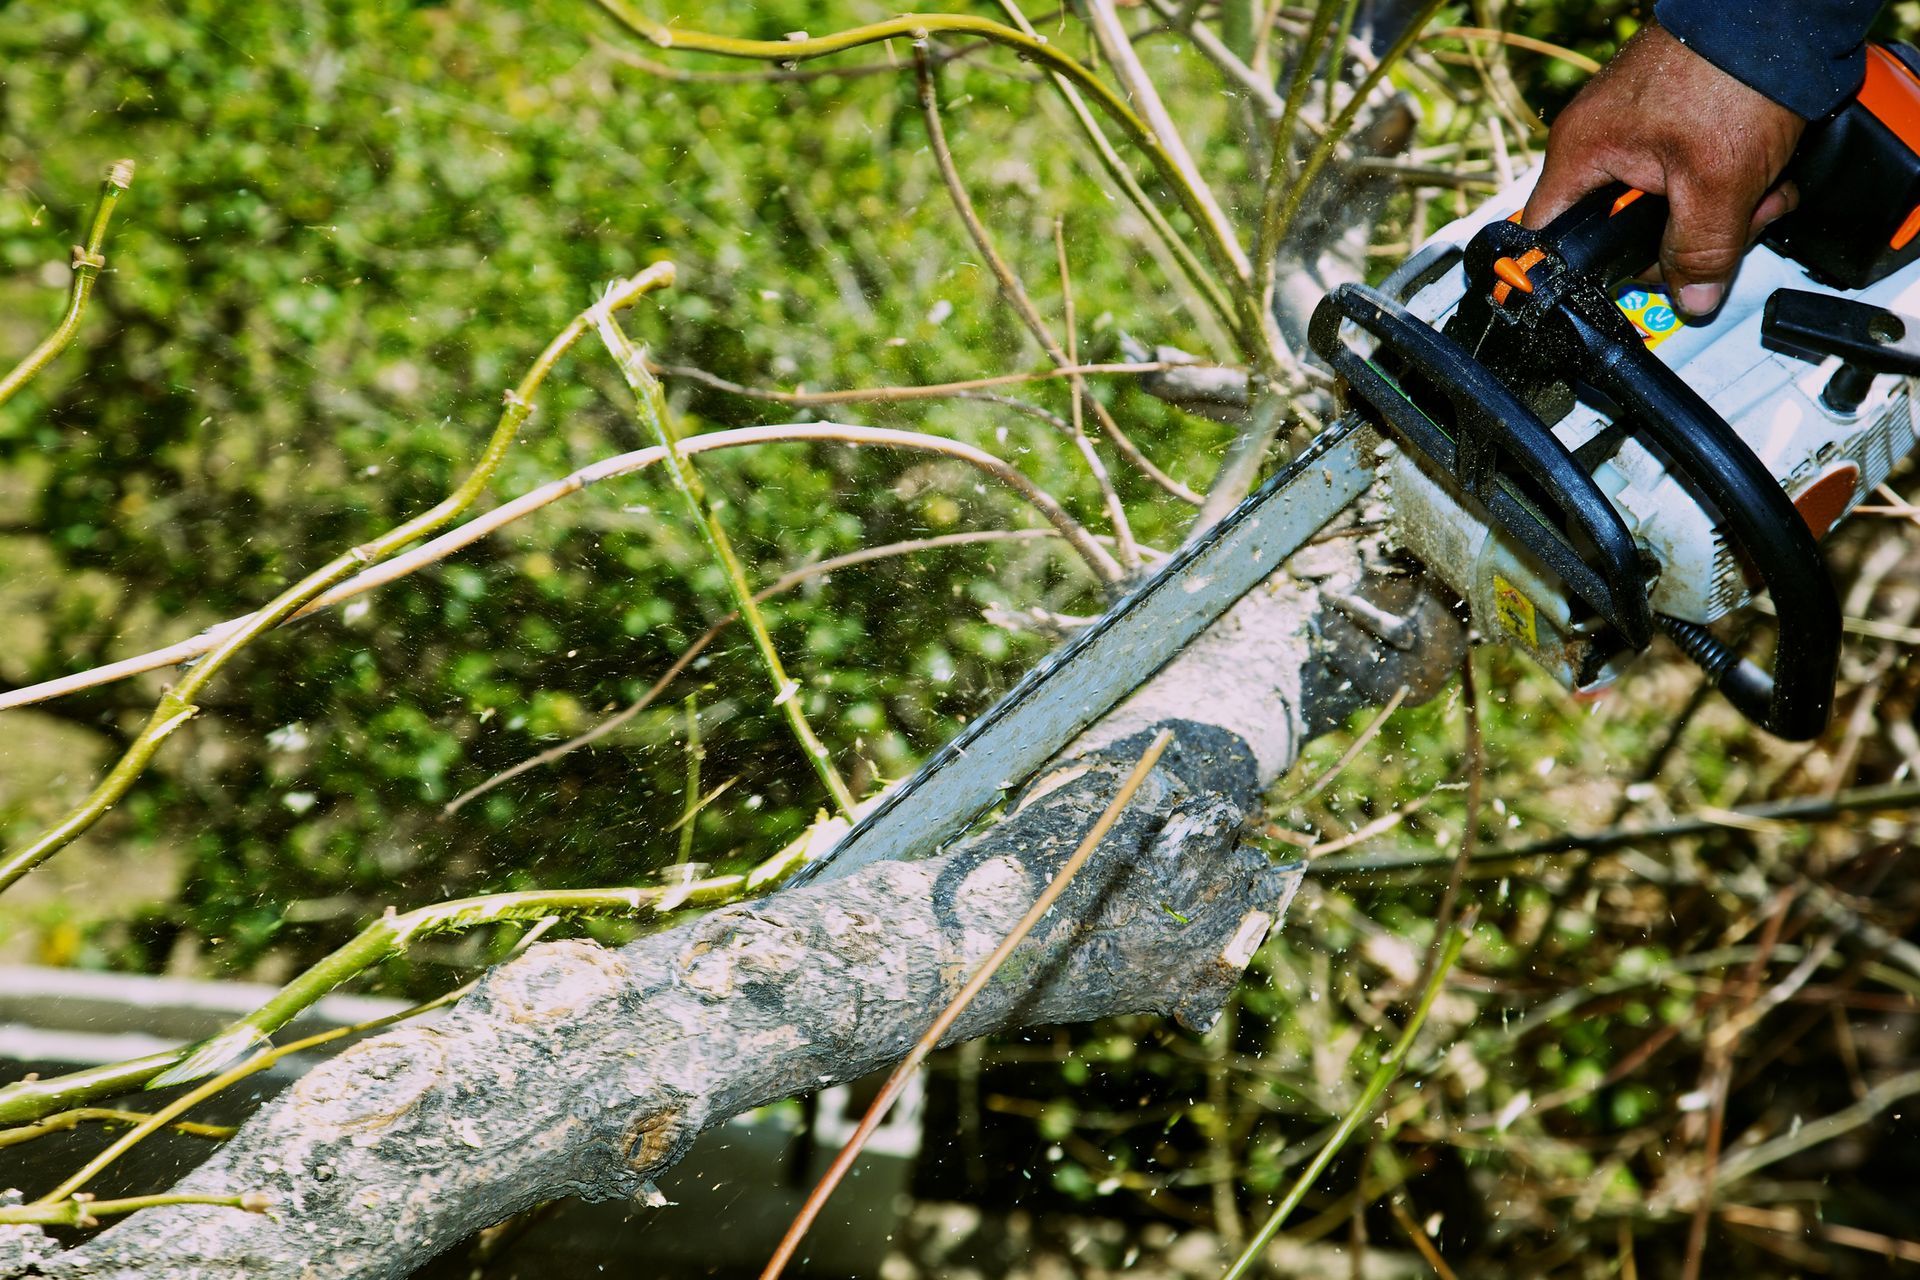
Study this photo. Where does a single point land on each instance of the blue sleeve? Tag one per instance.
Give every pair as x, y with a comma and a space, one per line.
1807, 55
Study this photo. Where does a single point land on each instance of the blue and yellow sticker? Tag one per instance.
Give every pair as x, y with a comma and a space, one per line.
1652, 313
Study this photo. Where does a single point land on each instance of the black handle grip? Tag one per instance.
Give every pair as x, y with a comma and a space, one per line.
1611, 233
1488, 426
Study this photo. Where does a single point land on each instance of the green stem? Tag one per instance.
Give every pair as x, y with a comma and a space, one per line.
177, 706
80, 1211
194, 1097
1266, 240
1228, 259
1277, 217
654, 414
1239, 19
691, 809
1197, 273
67, 1121
1383, 1075
30, 1100
394, 934
88, 261
1337, 52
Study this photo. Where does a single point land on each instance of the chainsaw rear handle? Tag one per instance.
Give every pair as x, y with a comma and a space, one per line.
1858, 174
1610, 234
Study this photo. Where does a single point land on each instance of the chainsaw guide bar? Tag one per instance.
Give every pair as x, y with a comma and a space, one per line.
1090, 674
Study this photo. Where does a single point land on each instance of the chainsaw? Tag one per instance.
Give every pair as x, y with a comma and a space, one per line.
1582, 466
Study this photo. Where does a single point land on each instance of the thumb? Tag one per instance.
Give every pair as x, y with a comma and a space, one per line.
1566, 176
1706, 234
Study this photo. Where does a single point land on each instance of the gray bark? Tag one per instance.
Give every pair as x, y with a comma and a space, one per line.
578, 1070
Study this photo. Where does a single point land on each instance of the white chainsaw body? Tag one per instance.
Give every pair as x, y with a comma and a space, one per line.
1828, 462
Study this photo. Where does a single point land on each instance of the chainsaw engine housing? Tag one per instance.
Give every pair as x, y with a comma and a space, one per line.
1826, 459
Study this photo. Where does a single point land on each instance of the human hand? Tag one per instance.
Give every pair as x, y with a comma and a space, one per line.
1662, 118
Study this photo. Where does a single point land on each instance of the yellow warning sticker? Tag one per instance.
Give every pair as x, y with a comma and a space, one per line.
1652, 313
1514, 610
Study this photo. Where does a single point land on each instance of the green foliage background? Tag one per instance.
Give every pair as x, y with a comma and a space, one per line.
354, 224
351, 228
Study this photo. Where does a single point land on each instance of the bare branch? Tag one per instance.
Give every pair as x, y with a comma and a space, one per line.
89, 261
619, 465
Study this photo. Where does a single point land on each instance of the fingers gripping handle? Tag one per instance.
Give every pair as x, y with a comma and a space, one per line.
1611, 233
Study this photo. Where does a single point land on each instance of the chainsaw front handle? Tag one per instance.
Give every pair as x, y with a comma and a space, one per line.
1475, 430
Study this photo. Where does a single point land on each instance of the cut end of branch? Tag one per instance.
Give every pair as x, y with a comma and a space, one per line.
624, 293
1238, 953
211, 1056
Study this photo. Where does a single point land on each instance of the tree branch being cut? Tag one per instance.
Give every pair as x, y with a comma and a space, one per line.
578, 1070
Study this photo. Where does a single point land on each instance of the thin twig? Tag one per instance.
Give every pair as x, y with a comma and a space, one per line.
1747, 1161
773, 75
1803, 809
1719, 1070
1518, 41
1122, 532
1196, 272
1204, 208
902, 1073
1215, 233
692, 803
64, 1121
1421, 1240
1217, 51
1266, 240
1475, 766
1383, 1075
1385, 822
651, 404
889, 395
88, 261
786, 582
1277, 217
1792, 1223
176, 707
1016, 295
1352, 753
1121, 441
85, 1211
1085, 544
1336, 56
193, 1097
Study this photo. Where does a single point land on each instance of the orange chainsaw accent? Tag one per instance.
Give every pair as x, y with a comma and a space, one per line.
1906, 231
1513, 274
1515, 215
1892, 94
1822, 503
1633, 193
